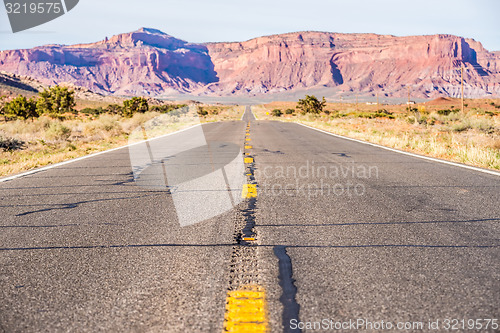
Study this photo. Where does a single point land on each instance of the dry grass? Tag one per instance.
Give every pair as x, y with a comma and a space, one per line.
25, 145
471, 138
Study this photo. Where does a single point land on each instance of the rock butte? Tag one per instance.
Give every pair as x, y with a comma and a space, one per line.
150, 62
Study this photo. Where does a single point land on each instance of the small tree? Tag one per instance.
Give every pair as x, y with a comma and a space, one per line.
55, 101
21, 108
310, 104
136, 104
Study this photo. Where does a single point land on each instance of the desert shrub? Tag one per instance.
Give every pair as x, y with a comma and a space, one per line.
483, 125
114, 109
11, 144
93, 111
166, 108
104, 126
134, 105
453, 117
289, 111
371, 115
202, 112
461, 126
447, 112
57, 131
423, 120
384, 111
20, 108
276, 113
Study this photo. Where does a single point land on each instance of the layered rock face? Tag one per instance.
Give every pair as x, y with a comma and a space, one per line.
144, 62
429, 65
149, 62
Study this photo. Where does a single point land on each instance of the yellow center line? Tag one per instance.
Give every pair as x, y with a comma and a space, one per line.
249, 191
246, 310
248, 160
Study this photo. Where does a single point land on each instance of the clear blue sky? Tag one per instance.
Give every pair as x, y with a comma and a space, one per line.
237, 20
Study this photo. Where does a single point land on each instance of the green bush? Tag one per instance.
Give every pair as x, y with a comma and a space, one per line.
423, 120
310, 104
202, 112
114, 109
20, 108
384, 111
133, 105
55, 101
276, 113
167, 108
289, 111
92, 111
447, 112
374, 115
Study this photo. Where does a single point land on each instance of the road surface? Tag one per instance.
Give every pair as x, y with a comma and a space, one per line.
338, 230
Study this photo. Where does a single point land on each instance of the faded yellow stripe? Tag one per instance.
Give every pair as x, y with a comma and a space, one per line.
248, 160
248, 147
248, 139
246, 310
249, 191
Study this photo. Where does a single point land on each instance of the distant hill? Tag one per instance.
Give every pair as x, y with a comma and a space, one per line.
152, 63
13, 85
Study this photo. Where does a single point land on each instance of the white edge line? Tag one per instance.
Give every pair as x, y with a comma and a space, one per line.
491, 172
253, 113
243, 115
27, 173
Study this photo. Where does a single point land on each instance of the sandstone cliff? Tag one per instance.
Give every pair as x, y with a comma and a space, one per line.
149, 62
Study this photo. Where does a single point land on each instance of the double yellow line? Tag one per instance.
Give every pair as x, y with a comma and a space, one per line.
249, 190
246, 307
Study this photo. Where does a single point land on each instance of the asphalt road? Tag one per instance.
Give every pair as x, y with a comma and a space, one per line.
343, 231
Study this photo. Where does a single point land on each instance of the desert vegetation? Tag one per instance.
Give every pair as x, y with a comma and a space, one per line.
48, 129
437, 128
